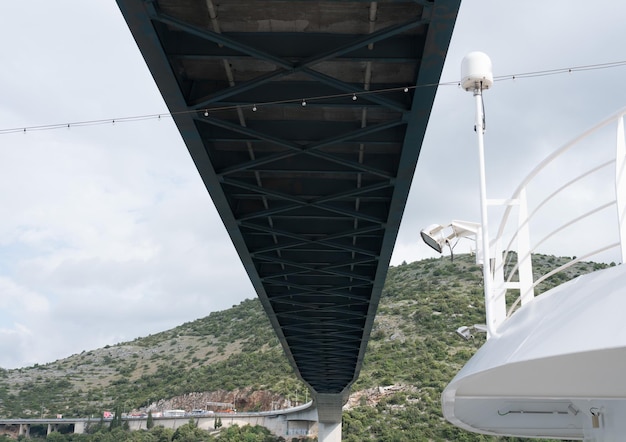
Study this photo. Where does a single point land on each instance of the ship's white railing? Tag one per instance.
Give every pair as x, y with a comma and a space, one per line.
519, 239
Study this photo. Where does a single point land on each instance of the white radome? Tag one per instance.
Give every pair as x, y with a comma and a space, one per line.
476, 71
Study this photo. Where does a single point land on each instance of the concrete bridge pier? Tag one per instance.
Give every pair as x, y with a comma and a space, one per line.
329, 416
79, 427
329, 432
51, 428
24, 430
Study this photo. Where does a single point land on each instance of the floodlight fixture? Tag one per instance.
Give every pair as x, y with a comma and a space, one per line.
436, 235
433, 237
466, 331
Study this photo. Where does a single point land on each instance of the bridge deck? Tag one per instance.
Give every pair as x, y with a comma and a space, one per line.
305, 120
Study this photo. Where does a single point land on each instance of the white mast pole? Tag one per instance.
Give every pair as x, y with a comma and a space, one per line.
484, 216
476, 76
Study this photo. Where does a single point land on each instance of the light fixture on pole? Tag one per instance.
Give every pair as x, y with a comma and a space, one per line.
466, 331
477, 76
436, 236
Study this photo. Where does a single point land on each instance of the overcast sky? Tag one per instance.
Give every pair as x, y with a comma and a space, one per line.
107, 232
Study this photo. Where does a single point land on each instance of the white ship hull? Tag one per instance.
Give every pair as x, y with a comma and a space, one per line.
556, 368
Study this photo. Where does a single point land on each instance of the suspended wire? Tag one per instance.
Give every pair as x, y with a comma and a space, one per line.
85, 123
545, 73
303, 102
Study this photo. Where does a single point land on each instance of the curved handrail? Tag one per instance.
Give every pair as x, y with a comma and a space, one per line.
558, 269
551, 158
554, 232
523, 224
544, 202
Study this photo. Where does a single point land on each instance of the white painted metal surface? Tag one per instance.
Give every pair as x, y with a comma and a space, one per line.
555, 367
476, 70
620, 184
563, 352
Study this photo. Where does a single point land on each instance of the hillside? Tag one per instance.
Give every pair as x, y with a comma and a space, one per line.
234, 356
228, 350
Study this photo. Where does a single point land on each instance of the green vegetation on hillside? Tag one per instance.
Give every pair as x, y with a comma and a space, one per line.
228, 350
188, 432
412, 354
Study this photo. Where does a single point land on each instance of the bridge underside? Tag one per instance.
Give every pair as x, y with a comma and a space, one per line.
305, 120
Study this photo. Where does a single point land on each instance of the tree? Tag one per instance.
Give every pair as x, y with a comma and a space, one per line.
247, 433
116, 422
162, 434
150, 421
56, 437
190, 433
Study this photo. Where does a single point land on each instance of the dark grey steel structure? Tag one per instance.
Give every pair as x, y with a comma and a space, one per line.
305, 120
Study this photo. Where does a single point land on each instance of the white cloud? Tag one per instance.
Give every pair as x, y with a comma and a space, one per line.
20, 300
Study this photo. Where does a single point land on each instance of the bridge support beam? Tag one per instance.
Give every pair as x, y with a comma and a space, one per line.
52, 428
24, 430
79, 427
329, 432
329, 416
